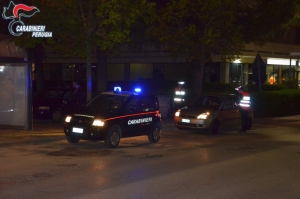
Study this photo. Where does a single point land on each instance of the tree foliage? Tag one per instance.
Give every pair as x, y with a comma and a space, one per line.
199, 29
196, 29
264, 20
79, 26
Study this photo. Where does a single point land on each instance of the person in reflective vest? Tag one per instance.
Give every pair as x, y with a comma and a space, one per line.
179, 94
244, 105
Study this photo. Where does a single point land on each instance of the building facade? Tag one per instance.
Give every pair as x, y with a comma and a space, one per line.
281, 59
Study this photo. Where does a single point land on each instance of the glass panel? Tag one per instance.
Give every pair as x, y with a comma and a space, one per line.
236, 74
110, 102
12, 94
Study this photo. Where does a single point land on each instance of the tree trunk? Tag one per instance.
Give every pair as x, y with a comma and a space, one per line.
89, 73
101, 70
38, 52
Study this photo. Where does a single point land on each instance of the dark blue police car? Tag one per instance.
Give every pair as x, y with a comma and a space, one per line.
113, 115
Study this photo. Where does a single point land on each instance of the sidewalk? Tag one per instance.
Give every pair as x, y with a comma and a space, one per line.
293, 118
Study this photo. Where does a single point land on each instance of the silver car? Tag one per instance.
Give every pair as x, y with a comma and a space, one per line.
211, 112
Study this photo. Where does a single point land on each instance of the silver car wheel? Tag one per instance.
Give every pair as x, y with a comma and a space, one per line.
156, 133
114, 139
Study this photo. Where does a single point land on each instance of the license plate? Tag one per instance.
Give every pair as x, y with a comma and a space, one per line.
77, 130
186, 120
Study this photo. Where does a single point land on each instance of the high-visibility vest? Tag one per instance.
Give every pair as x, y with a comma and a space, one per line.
245, 102
179, 94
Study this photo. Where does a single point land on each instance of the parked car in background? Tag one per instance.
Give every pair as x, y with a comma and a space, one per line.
211, 112
55, 103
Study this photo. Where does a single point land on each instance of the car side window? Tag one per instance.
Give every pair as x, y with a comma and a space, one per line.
148, 104
67, 96
132, 106
228, 104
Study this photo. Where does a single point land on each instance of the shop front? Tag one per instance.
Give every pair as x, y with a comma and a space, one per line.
284, 72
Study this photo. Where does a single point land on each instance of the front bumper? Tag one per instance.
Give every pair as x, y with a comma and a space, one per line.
85, 132
191, 123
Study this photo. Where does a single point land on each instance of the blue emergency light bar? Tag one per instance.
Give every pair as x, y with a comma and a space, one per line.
137, 90
117, 89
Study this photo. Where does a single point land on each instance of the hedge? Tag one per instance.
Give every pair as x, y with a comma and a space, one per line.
276, 103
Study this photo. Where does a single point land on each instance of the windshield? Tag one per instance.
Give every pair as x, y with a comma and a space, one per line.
110, 102
208, 102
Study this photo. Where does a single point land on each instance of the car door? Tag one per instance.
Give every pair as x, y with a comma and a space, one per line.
131, 119
149, 107
228, 113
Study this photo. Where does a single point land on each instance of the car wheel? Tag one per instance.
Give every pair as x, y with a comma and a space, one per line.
113, 137
249, 123
72, 139
214, 127
154, 134
56, 116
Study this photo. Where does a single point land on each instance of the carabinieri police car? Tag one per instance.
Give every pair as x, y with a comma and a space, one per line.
113, 115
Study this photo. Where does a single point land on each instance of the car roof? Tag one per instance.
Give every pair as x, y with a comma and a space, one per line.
125, 93
121, 93
219, 94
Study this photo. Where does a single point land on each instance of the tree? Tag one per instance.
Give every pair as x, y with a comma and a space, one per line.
199, 29
196, 29
264, 20
81, 26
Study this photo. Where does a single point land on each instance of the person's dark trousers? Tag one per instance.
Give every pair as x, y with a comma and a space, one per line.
244, 116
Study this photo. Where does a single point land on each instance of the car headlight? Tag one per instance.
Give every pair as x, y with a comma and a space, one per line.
98, 122
203, 116
68, 119
44, 108
177, 113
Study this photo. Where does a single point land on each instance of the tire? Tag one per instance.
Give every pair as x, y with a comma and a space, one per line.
214, 127
113, 137
154, 134
56, 116
249, 123
72, 139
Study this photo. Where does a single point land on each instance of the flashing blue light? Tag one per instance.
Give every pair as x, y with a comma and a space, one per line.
137, 90
117, 89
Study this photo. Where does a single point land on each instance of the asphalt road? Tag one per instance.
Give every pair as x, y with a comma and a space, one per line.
263, 163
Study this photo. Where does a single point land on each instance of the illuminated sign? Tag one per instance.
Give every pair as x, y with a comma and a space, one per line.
16, 27
285, 62
138, 121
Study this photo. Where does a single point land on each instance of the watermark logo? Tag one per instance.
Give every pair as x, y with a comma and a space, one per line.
16, 27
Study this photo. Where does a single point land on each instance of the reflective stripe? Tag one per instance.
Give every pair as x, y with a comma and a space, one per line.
245, 105
246, 98
245, 102
178, 99
180, 92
